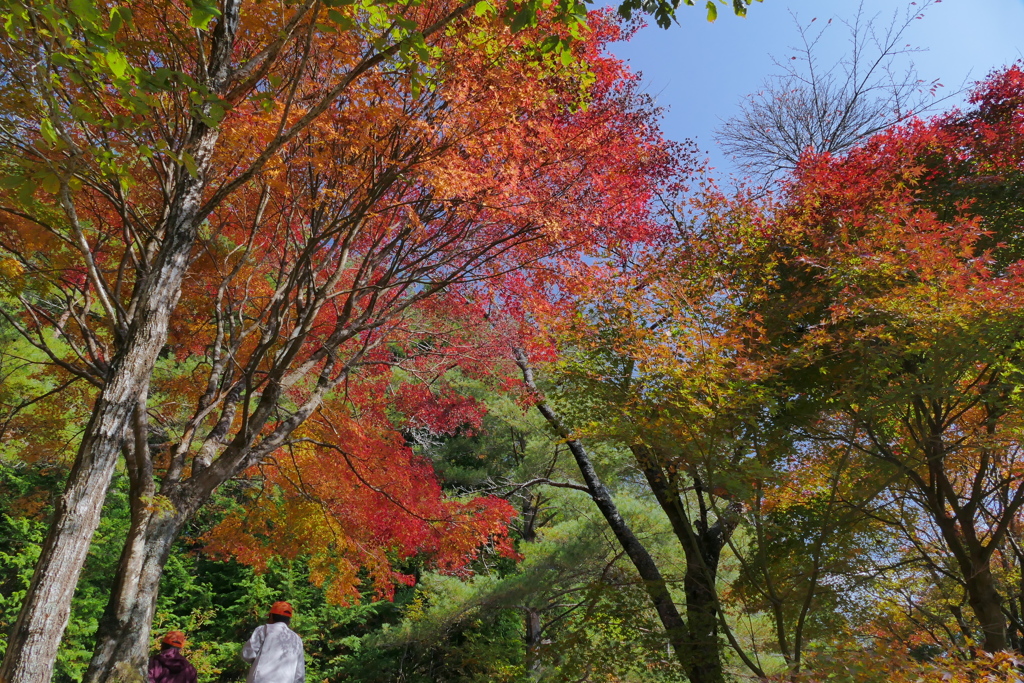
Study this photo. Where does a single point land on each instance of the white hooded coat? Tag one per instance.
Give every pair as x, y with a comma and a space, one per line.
275, 652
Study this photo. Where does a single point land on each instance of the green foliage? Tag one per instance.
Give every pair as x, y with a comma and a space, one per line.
446, 629
25, 494
596, 619
664, 11
218, 604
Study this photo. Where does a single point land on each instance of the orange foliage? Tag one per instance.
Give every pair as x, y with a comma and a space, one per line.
375, 242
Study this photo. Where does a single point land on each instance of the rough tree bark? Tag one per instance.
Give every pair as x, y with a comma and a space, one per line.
154, 526
533, 640
974, 561
123, 635
984, 598
133, 600
33, 642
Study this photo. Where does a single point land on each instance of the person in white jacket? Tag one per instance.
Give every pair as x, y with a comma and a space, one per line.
274, 651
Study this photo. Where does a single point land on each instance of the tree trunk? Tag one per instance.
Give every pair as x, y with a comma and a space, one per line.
32, 647
533, 638
33, 643
975, 563
705, 663
654, 582
122, 639
702, 544
986, 603
532, 615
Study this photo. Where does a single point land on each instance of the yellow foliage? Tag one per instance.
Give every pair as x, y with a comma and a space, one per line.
10, 268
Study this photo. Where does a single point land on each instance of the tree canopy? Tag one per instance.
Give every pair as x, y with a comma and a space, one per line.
407, 313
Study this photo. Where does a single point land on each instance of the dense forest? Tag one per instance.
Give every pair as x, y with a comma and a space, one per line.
406, 312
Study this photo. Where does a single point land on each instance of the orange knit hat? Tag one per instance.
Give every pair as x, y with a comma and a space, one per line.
174, 639
281, 608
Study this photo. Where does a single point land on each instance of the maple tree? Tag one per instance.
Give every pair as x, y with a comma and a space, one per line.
642, 367
577, 609
887, 315
114, 137
322, 224
911, 322
607, 391
891, 664
845, 355
368, 503
814, 396
801, 552
112, 120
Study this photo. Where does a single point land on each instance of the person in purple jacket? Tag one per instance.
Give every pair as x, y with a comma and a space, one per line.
168, 665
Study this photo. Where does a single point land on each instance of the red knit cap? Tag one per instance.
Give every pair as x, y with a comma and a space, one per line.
281, 608
174, 639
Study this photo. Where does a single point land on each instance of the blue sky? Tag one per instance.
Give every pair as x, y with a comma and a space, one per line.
700, 71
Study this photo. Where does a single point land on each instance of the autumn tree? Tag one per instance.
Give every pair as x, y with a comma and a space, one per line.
318, 249
579, 608
861, 326
896, 326
810, 548
112, 131
109, 135
620, 381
